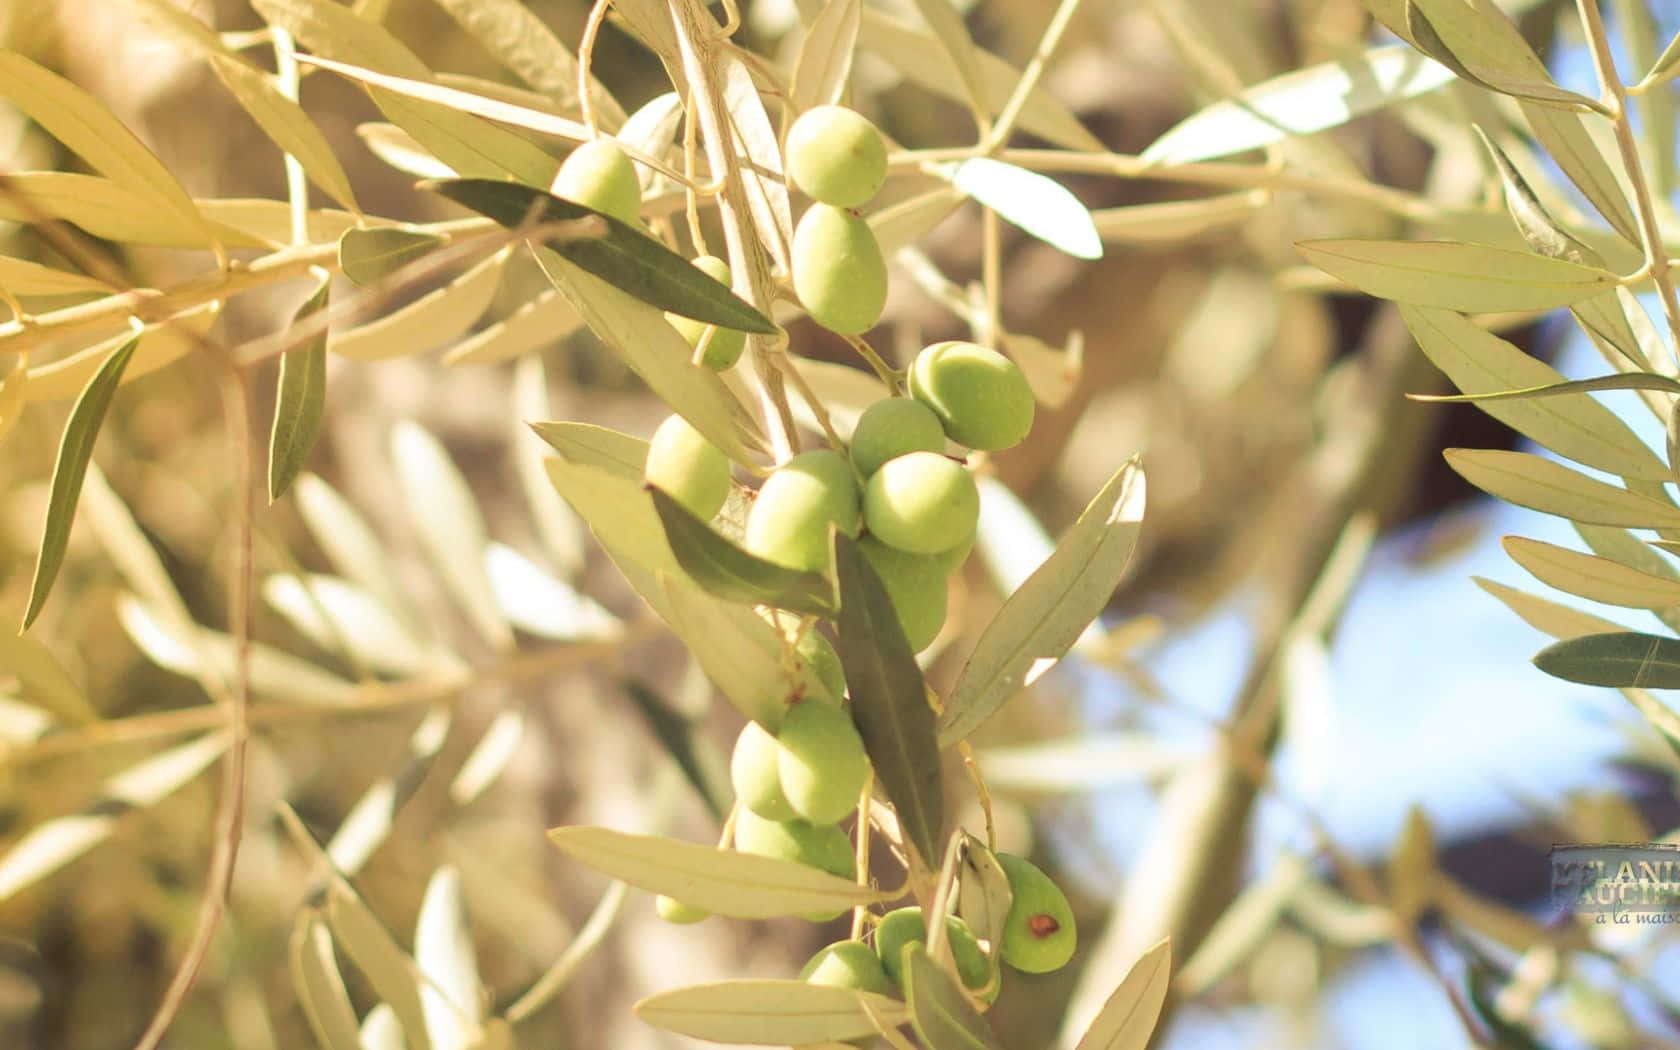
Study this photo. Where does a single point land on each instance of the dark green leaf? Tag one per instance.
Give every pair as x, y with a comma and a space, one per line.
727, 571
1626, 381
299, 398
625, 258
1673, 439
1625, 659
889, 699
677, 735
75, 450
366, 255
939, 1011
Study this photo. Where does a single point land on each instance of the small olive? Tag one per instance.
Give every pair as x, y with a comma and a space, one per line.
981, 397
788, 523
836, 156
839, 273
690, 469
822, 762
923, 503
894, 427
599, 175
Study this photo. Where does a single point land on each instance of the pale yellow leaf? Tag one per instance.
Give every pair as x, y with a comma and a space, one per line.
435, 318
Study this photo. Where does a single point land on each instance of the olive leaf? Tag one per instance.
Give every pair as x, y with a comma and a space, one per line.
625, 257
1625, 660
1593, 577
299, 399
786, 1013
1127, 1019
1471, 278
889, 699
75, 450
727, 571
939, 1011
365, 254
1539, 484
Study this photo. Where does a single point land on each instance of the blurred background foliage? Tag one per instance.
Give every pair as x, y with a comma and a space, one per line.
1206, 344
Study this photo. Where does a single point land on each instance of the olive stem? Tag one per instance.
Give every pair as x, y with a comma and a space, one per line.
860, 914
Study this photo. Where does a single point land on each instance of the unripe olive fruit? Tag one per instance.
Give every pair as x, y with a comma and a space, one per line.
952, 560
923, 503
893, 427
839, 273
788, 523
727, 343
836, 156
1038, 932
598, 175
672, 910
981, 397
822, 761
755, 772
824, 846
690, 469
847, 964
906, 925
915, 585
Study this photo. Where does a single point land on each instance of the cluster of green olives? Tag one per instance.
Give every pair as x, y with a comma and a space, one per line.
912, 508
838, 159
1038, 936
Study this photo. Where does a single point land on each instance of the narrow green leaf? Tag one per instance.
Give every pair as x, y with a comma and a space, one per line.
367, 253
651, 348
825, 57
1482, 45
435, 318
1590, 576
286, 123
1128, 1019
1624, 660
1302, 102
939, 1011
1544, 615
466, 143
677, 736
620, 515
785, 1013
730, 573
1573, 148
889, 700
1624, 381
516, 37
105, 208
75, 450
300, 397
22, 277
82, 123
320, 987
390, 970
596, 446
1539, 484
1036, 203
1471, 278
1052, 608
625, 258
1479, 362
739, 885
1542, 232
742, 655
1665, 65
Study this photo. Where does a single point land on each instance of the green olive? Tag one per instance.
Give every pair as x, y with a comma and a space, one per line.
981, 397
726, 344
599, 175
1038, 932
690, 469
894, 427
916, 587
923, 503
822, 662
824, 847
847, 964
906, 926
672, 910
822, 762
839, 273
755, 772
788, 523
836, 156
